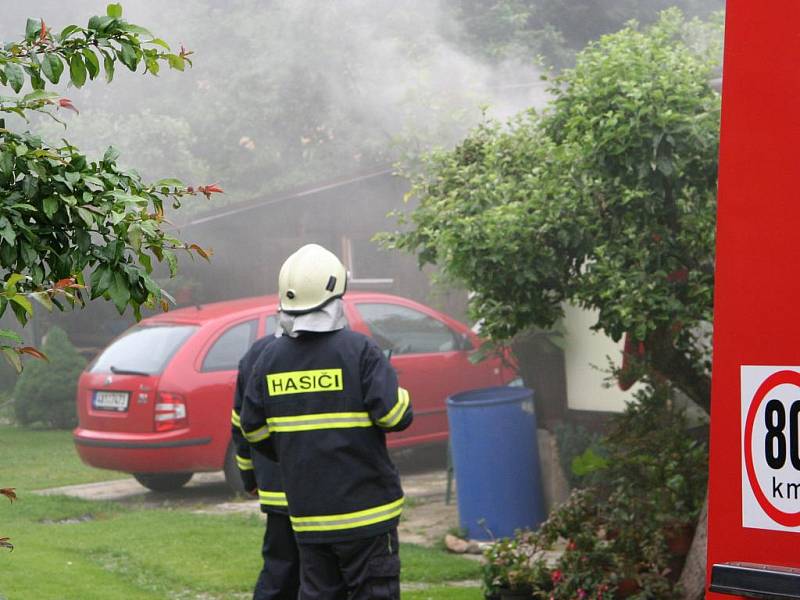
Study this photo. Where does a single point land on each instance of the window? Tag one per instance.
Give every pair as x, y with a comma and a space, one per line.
142, 349
271, 325
230, 347
407, 331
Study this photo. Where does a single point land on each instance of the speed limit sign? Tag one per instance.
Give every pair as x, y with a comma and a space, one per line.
771, 447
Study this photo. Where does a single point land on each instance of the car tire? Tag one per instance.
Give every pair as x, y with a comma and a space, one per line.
163, 482
231, 470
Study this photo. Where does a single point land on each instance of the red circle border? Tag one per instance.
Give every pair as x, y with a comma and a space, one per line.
778, 378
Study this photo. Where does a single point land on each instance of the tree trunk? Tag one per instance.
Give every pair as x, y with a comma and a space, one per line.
693, 576
676, 366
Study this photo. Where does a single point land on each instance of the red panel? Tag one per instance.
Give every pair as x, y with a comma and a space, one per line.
758, 236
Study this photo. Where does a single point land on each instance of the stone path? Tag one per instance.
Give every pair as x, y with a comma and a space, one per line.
426, 519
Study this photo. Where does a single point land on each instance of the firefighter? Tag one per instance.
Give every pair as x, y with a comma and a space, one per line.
321, 399
279, 578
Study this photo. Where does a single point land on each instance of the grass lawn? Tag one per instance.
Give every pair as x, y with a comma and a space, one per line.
72, 549
32, 459
443, 593
75, 549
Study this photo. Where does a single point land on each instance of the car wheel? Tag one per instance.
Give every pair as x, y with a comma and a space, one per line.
231, 470
163, 482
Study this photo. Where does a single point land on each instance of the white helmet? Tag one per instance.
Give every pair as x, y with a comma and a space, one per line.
309, 279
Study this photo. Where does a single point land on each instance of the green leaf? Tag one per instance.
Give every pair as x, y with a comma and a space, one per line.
172, 261
32, 29
22, 302
52, 67
176, 62
67, 31
135, 236
7, 231
15, 76
13, 358
116, 217
37, 83
77, 70
144, 259
138, 30
160, 42
588, 462
152, 64
50, 206
98, 23
127, 54
114, 10
92, 62
11, 335
6, 163
100, 280
111, 155
12, 281
128, 198
39, 95
93, 183
44, 299
86, 215
108, 64
169, 182
119, 291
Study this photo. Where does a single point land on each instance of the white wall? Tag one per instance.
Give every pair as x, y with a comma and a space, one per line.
586, 355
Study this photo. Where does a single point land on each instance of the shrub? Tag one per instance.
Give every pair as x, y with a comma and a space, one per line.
574, 445
621, 532
45, 392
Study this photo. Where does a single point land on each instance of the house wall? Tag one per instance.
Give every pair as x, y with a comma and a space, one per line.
586, 362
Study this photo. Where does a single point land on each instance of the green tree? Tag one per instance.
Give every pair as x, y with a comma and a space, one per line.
68, 222
606, 200
62, 215
556, 29
45, 391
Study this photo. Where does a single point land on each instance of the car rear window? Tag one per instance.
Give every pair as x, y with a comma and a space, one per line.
144, 349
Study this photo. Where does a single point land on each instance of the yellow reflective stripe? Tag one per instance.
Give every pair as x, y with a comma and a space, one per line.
256, 436
299, 382
272, 498
340, 420
394, 416
235, 420
245, 464
359, 518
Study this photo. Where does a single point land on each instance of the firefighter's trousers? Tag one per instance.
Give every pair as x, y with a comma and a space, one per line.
365, 569
280, 577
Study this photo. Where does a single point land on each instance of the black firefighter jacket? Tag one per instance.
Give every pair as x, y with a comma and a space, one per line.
255, 468
321, 404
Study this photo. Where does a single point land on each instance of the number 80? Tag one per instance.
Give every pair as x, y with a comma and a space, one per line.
775, 440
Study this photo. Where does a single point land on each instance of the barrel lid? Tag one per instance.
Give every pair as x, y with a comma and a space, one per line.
490, 396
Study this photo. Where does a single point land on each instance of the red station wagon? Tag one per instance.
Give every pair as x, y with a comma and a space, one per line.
157, 401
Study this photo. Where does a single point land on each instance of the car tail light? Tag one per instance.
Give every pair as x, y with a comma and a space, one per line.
170, 412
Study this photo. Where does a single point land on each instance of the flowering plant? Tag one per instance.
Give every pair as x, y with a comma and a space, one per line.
517, 564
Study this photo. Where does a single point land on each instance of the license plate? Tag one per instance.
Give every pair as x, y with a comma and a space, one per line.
117, 401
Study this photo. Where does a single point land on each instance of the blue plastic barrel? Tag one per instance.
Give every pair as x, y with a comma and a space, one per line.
496, 461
